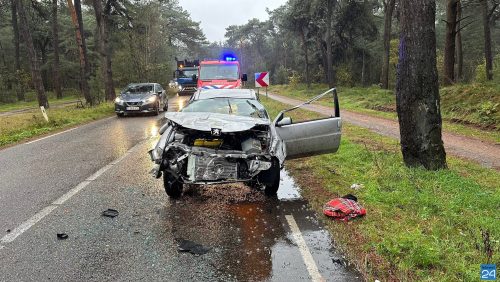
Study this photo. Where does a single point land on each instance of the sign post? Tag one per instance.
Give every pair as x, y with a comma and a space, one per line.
262, 80
44, 113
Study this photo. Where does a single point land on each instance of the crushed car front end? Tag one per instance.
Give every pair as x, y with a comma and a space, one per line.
236, 149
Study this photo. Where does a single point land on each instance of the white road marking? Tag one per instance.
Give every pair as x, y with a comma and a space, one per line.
58, 133
25, 226
312, 268
65, 131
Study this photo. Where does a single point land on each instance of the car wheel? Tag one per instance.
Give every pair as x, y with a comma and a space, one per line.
173, 187
165, 106
157, 112
120, 114
271, 178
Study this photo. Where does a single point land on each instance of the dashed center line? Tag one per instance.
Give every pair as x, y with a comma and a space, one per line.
311, 266
25, 226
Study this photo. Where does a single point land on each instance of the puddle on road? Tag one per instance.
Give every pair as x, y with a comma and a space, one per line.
249, 234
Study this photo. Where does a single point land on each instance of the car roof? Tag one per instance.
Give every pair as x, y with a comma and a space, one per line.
203, 94
142, 83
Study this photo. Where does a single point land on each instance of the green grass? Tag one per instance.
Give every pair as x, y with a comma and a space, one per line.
23, 126
421, 225
31, 102
471, 110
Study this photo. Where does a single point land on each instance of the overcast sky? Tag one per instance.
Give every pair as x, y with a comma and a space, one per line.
216, 15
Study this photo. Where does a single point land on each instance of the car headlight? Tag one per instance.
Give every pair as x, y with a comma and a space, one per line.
119, 100
151, 99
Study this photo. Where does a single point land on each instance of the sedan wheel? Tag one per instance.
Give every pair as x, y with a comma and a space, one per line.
157, 112
172, 186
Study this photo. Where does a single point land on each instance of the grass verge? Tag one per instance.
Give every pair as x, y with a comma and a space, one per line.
421, 225
471, 110
23, 126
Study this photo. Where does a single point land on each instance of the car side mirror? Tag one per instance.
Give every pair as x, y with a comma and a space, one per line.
284, 121
195, 77
159, 92
244, 77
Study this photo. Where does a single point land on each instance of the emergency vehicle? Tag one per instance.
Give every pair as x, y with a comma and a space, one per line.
224, 73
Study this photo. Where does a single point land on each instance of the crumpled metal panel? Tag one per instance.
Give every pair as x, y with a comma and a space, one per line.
207, 121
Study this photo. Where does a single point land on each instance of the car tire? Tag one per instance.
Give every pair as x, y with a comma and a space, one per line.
165, 106
273, 179
157, 112
120, 114
173, 187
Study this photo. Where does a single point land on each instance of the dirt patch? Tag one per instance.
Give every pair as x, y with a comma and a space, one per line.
384, 108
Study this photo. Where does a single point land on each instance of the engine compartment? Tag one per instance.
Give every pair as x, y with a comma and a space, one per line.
199, 157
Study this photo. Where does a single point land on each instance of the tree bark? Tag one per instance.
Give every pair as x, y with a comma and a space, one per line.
458, 43
306, 57
449, 45
488, 56
329, 42
76, 17
417, 87
388, 11
55, 43
17, 60
35, 68
102, 21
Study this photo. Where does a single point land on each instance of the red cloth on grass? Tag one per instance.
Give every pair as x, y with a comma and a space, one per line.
343, 209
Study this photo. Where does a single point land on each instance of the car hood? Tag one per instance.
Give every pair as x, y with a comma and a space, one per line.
207, 121
136, 96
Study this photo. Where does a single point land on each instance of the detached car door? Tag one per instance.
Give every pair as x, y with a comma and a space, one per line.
313, 137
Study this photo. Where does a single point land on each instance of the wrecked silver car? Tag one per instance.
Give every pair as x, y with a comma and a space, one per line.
224, 136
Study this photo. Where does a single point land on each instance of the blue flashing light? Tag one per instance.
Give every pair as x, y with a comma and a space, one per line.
230, 59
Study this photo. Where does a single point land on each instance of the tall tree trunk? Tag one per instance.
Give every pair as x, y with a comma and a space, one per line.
458, 43
449, 45
17, 60
104, 49
35, 68
76, 14
329, 42
55, 43
306, 57
388, 11
488, 56
417, 87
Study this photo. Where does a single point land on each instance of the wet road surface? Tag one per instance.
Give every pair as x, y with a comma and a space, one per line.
61, 184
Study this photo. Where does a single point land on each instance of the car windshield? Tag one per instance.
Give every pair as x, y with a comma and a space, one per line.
139, 89
225, 71
187, 73
239, 107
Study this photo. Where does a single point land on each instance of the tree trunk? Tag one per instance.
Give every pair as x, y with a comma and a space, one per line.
17, 60
76, 14
55, 43
388, 11
329, 42
449, 45
306, 57
488, 56
104, 49
458, 43
35, 68
417, 87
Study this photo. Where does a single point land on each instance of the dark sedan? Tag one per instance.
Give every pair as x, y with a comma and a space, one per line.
141, 98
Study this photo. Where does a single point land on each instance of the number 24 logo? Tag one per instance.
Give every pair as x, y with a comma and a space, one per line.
488, 272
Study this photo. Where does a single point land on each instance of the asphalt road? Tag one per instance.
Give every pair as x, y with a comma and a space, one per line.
62, 183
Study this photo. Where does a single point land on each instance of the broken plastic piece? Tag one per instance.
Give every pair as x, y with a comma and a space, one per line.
110, 213
192, 247
62, 236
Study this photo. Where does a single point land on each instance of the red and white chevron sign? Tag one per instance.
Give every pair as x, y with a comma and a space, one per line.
262, 79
